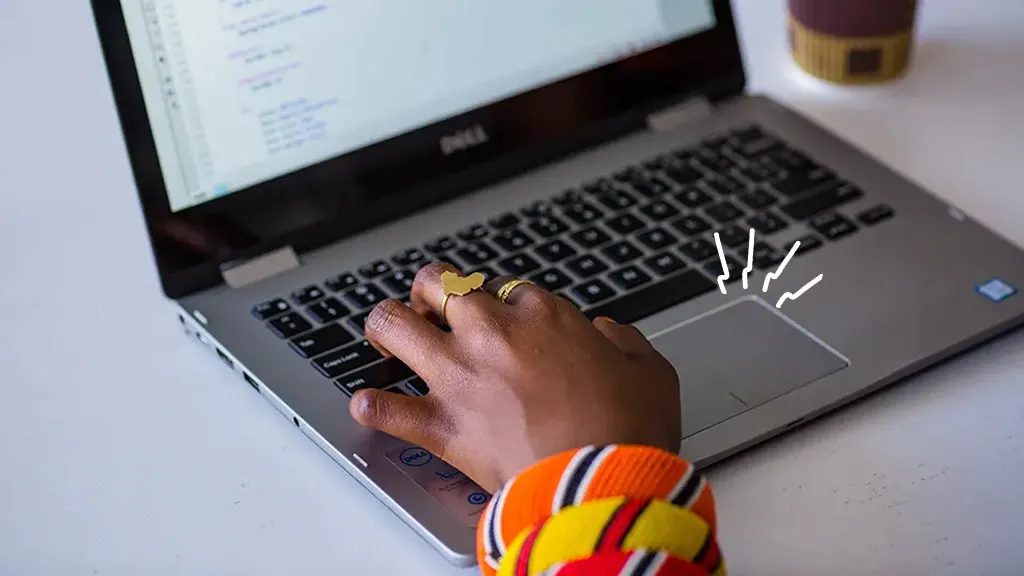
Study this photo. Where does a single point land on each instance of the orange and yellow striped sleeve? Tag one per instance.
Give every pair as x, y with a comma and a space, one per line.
630, 510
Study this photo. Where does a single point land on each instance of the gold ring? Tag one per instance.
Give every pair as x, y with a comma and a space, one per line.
456, 285
506, 289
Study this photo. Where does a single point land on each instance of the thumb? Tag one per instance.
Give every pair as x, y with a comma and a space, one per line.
415, 420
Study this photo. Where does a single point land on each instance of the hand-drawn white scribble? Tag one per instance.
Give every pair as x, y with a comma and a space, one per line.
750, 259
775, 275
799, 293
725, 266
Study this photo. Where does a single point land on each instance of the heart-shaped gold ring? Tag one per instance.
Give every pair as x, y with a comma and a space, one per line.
455, 285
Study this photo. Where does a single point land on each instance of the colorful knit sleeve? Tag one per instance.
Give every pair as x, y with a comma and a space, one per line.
630, 510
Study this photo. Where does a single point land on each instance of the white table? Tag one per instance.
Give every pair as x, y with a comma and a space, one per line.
126, 449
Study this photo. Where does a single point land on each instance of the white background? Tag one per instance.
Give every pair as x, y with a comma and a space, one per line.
126, 449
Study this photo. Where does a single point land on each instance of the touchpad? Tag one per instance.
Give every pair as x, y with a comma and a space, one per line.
740, 356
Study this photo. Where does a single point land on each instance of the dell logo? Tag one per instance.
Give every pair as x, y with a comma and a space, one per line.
463, 140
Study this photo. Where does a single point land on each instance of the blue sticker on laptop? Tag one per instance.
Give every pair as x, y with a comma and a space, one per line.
996, 290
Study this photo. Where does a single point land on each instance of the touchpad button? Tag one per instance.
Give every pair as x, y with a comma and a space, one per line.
746, 350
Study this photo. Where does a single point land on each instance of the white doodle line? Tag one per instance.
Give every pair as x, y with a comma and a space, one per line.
799, 293
750, 259
775, 275
725, 267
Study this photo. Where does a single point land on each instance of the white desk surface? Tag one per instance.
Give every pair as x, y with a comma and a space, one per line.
126, 449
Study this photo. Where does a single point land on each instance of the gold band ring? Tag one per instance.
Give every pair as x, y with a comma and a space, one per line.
506, 289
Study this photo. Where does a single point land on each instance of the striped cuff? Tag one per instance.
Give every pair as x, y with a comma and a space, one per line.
586, 475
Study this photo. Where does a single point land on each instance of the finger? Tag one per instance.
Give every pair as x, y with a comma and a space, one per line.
396, 330
415, 420
428, 298
626, 337
524, 293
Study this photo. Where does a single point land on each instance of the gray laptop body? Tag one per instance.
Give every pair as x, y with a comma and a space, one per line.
906, 280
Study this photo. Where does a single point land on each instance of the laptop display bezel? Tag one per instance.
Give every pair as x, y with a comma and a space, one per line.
353, 192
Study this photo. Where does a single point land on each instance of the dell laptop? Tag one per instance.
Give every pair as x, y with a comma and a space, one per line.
298, 162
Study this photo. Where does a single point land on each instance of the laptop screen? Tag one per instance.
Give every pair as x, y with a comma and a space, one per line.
239, 92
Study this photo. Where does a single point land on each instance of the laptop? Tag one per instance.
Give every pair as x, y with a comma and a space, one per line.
297, 162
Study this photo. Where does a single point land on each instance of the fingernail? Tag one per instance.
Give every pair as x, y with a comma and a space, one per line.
608, 320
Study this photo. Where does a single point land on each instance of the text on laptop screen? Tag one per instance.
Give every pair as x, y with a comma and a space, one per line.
239, 92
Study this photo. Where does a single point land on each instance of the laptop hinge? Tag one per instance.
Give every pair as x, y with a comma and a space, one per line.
676, 115
260, 268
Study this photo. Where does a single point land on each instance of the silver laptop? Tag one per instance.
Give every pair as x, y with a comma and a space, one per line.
297, 162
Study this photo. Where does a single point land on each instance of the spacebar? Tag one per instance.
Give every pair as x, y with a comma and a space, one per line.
655, 298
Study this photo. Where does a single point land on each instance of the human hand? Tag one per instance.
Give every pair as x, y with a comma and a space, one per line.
516, 382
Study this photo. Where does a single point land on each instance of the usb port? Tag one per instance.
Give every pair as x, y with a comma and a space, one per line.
225, 358
251, 382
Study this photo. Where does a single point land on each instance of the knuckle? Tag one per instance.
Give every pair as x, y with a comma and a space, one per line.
541, 304
431, 271
384, 317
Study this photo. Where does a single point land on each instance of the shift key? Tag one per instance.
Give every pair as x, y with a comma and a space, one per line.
347, 359
379, 375
323, 340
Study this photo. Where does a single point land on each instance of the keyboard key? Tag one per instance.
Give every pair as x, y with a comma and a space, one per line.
725, 185
511, 240
270, 309
347, 359
379, 375
365, 296
657, 238
698, 249
487, 271
506, 220
827, 198
399, 282
328, 310
788, 159
551, 279
537, 209
627, 174
691, 225
617, 200
417, 387
650, 187
876, 214
832, 225
374, 269
665, 263
654, 298
622, 252
590, 238
693, 197
321, 341
410, 257
757, 199
684, 175
448, 259
474, 232
519, 265
807, 243
441, 245
766, 256
600, 186
629, 277
659, 210
767, 223
582, 213
359, 321
714, 268
570, 196
341, 282
555, 251
752, 142
479, 252
289, 325
660, 163
759, 172
798, 182
734, 236
592, 292
625, 224
715, 162
307, 295
586, 266
548, 226
724, 212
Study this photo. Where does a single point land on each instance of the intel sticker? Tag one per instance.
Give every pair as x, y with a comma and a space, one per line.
996, 290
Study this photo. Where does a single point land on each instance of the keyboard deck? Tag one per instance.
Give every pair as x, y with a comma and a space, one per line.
625, 246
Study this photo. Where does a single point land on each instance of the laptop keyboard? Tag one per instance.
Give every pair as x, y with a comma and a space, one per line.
625, 246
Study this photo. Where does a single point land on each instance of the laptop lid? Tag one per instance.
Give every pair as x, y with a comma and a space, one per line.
257, 124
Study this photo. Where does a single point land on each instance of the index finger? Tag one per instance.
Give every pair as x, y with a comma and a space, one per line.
409, 337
